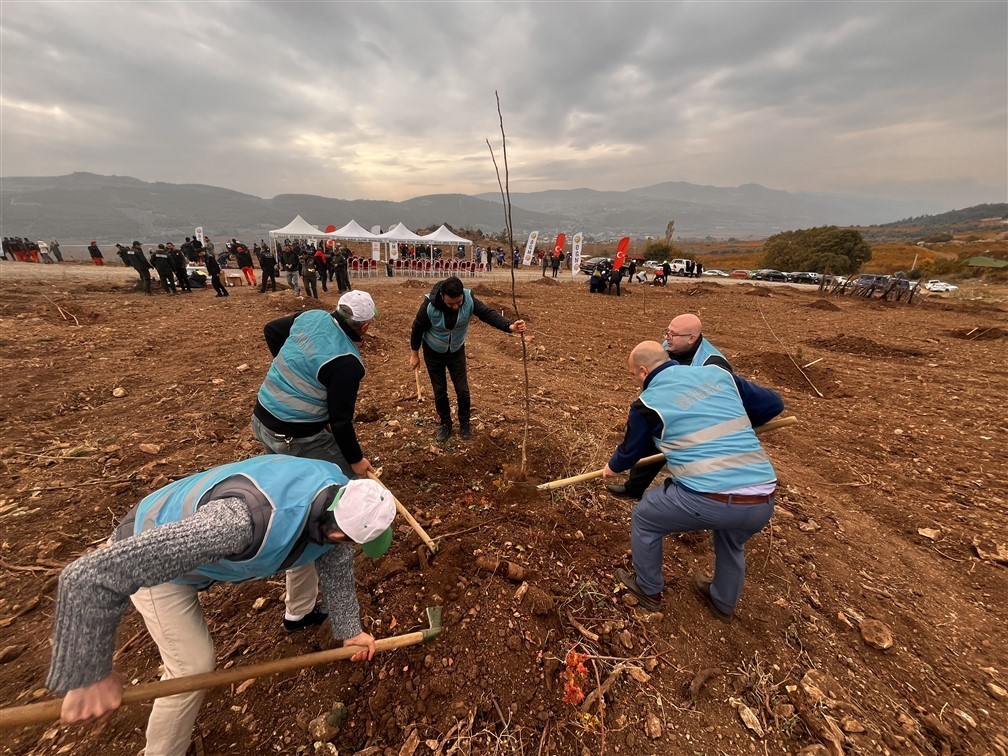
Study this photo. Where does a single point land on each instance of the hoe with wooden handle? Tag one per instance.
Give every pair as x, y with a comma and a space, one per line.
772, 425
48, 711
409, 518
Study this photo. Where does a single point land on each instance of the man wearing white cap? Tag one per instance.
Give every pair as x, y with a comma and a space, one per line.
232, 523
305, 408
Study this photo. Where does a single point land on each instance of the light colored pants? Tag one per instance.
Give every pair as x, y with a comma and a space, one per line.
302, 582
174, 618
674, 509
294, 280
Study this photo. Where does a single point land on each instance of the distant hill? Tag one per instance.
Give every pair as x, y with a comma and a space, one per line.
982, 221
83, 206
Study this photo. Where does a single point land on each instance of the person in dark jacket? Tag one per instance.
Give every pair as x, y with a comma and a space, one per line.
440, 328
178, 263
702, 418
555, 263
236, 522
268, 263
291, 262
305, 408
341, 264
322, 266
631, 271
614, 280
123, 253
54, 247
309, 273
213, 268
244, 258
96, 256
139, 262
161, 261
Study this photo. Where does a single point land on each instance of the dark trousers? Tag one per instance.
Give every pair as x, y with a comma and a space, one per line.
145, 278
218, 286
323, 274
643, 475
268, 274
454, 363
310, 285
167, 279
183, 278
343, 279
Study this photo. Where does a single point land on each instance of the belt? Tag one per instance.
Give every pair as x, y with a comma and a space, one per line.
739, 498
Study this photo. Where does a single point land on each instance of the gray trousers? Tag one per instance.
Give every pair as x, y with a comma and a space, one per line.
302, 582
674, 509
294, 280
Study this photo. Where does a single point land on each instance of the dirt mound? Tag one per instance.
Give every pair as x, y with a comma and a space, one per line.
777, 370
415, 283
979, 334
759, 291
823, 304
483, 290
863, 346
545, 281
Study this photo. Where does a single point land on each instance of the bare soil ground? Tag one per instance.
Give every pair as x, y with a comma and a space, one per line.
890, 529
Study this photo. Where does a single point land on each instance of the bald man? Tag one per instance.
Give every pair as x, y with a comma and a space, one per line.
702, 419
685, 343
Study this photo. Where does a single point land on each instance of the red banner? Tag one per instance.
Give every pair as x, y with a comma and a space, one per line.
558, 248
621, 250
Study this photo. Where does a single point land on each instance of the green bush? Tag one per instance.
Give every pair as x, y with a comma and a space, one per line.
824, 249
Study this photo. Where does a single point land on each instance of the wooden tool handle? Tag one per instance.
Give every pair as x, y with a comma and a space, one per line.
409, 518
41, 713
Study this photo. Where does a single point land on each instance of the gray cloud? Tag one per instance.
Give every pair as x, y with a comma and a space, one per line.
392, 100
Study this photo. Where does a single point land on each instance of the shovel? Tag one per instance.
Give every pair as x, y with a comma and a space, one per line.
48, 711
419, 393
772, 425
408, 517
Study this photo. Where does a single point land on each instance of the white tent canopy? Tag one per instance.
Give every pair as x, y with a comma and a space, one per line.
299, 228
399, 233
444, 236
353, 231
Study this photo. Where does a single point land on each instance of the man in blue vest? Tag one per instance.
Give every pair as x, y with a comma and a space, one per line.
305, 408
440, 327
685, 344
702, 419
241, 521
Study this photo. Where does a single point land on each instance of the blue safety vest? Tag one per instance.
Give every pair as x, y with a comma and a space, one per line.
439, 337
282, 493
291, 391
705, 351
705, 433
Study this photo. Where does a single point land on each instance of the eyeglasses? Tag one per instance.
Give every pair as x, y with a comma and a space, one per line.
670, 334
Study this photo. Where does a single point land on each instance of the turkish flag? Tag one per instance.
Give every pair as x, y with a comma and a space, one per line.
561, 240
621, 250
330, 228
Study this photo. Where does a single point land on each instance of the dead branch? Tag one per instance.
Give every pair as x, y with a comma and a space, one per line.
581, 628
63, 312
797, 366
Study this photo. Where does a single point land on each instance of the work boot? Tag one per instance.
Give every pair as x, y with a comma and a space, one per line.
443, 433
465, 431
315, 617
701, 584
650, 602
619, 490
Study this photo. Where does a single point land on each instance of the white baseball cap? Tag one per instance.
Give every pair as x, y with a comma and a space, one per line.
364, 510
359, 303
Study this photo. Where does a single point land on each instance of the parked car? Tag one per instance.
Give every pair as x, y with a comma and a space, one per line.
768, 274
715, 272
678, 267
866, 280
587, 266
803, 278
936, 285
739, 273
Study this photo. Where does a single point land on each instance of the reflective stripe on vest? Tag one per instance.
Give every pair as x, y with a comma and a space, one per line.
439, 337
705, 351
278, 491
705, 435
291, 390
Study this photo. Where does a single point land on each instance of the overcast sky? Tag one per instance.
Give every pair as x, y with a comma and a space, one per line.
375, 100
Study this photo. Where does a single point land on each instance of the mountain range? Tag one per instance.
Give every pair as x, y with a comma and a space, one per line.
83, 206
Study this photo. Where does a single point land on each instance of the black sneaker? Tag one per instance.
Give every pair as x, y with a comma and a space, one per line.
701, 584
647, 601
465, 431
443, 433
622, 491
315, 617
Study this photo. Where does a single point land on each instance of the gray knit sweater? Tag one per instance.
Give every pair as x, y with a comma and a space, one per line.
94, 589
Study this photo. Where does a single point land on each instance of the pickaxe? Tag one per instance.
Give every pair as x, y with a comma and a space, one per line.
47, 711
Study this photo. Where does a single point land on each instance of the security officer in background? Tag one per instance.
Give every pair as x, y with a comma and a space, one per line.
163, 265
178, 262
139, 261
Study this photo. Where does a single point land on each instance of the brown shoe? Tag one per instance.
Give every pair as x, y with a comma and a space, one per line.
650, 602
701, 584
